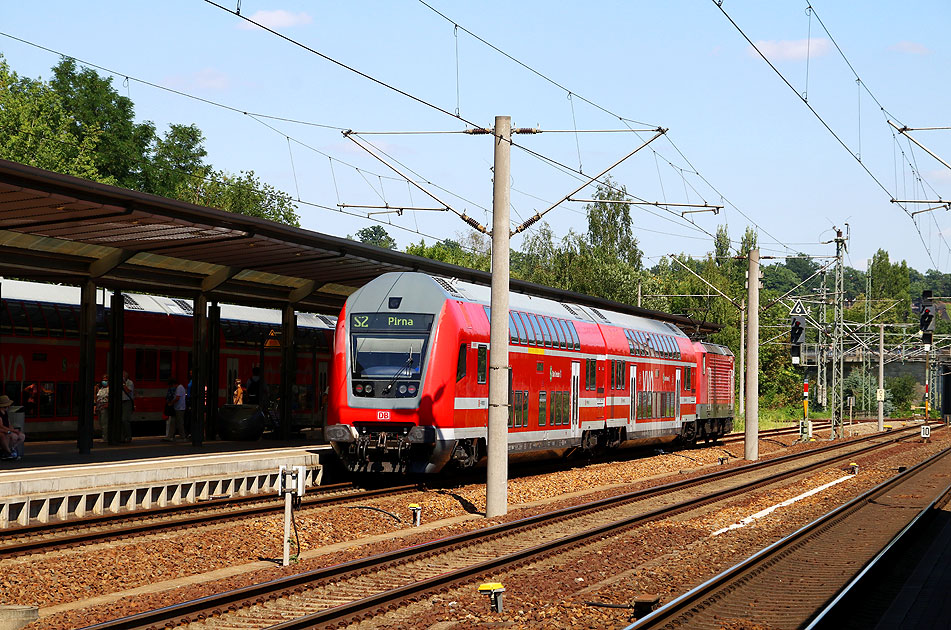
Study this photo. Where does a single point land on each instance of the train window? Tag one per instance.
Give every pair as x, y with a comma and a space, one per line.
537, 329
553, 413
564, 408
546, 334
590, 374
613, 373
520, 327
53, 319
165, 365
12, 390
668, 351
511, 408
516, 409
29, 397
542, 408
513, 331
37, 322
574, 335
569, 342
47, 397
687, 386
146, 363
461, 363
19, 319
630, 340
560, 333
621, 369
482, 361
70, 317
638, 343
74, 404
559, 339
528, 328
524, 409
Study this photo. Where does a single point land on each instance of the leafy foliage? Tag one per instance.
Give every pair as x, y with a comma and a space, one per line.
78, 124
375, 235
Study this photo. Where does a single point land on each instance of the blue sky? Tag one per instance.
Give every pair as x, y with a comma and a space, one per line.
680, 65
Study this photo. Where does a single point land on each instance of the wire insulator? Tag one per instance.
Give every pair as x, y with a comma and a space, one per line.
475, 224
528, 130
479, 131
528, 223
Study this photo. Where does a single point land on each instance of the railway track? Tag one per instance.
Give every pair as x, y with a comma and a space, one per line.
45, 537
792, 582
365, 586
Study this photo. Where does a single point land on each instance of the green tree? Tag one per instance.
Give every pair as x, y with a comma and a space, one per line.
176, 164
610, 231
36, 129
375, 235
473, 252
246, 194
123, 145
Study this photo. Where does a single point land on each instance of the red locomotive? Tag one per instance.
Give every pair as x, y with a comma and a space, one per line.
409, 387
39, 355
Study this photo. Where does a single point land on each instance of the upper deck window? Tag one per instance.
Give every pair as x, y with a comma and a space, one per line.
528, 328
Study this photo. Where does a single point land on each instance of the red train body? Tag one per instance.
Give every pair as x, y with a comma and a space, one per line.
410, 385
39, 355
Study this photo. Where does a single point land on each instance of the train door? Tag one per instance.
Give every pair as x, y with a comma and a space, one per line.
319, 397
633, 406
575, 393
677, 396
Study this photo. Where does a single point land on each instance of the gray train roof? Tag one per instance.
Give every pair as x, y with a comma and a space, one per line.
420, 287
141, 303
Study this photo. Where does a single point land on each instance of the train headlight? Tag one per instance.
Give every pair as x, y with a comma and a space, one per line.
412, 390
359, 388
368, 389
402, 389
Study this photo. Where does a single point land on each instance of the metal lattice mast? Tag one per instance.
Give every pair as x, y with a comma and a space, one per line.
837, 336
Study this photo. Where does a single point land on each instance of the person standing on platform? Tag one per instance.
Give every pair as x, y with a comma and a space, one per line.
102, 406
11, 438
257, 392
176, 421
238, 397
128, 405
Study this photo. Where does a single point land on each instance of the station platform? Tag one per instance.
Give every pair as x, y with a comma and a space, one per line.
54, 482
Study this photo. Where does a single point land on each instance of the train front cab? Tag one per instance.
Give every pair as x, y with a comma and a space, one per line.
392, 394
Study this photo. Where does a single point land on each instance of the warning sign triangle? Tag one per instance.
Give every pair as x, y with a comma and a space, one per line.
798, 310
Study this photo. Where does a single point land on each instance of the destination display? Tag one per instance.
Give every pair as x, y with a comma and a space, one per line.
391, 321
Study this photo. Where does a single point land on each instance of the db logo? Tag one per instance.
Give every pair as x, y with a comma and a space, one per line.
382, 415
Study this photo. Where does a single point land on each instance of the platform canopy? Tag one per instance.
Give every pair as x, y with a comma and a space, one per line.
59, 228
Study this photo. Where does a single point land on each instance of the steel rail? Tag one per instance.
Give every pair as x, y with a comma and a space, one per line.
21, 545
668, 613
223, 602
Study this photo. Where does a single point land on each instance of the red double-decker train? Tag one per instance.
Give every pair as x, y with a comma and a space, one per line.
409, 383
39, 354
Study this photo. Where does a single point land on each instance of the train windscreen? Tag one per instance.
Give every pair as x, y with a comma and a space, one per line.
376, 356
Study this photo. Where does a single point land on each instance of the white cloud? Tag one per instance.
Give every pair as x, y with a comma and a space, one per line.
278, 18
792, 49
910, 48
204, 79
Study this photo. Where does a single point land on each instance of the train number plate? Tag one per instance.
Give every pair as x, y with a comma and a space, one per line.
382, 415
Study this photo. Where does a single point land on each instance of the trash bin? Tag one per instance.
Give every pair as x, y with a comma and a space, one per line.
240, 422
17, 417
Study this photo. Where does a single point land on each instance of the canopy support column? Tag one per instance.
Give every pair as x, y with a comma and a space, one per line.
213, 343
87, 365
288, 363
199, 368
113, 431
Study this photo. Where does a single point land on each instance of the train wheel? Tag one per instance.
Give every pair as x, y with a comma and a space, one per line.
688, 434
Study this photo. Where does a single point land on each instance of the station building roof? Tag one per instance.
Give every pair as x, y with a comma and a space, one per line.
59, 228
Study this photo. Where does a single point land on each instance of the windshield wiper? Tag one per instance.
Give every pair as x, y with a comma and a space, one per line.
407, 364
